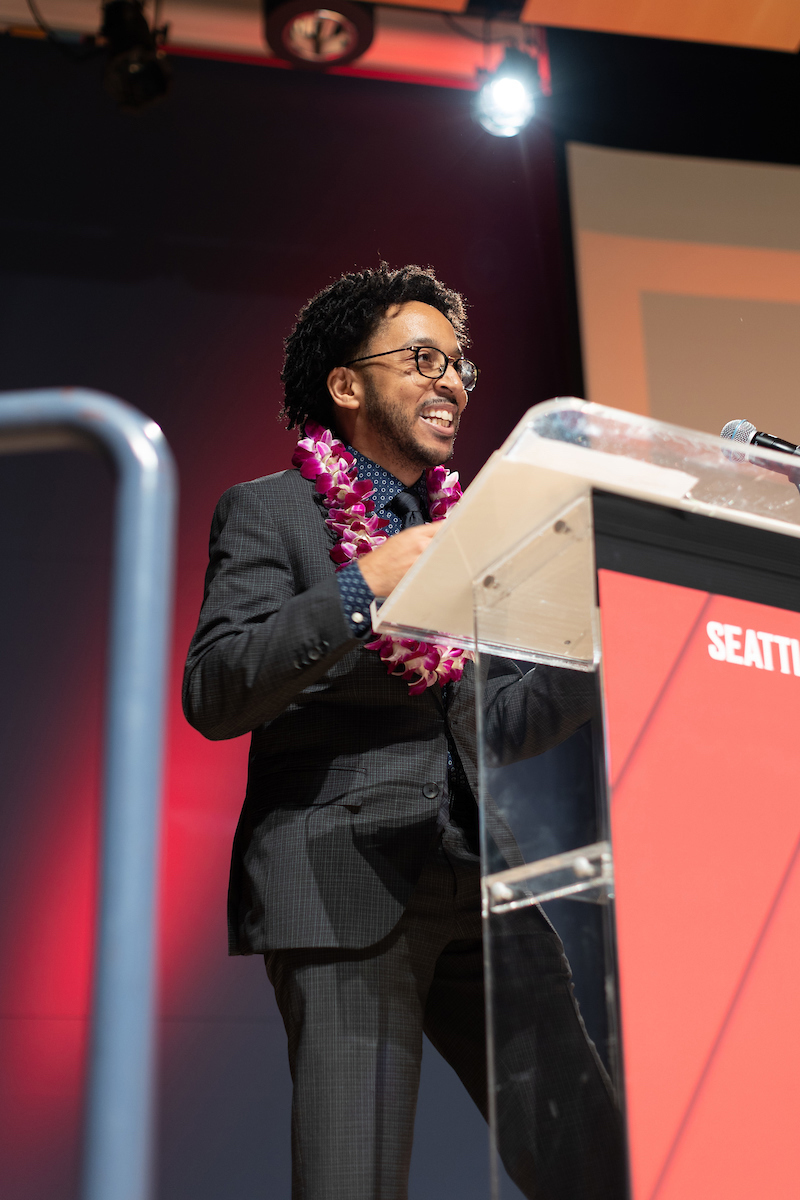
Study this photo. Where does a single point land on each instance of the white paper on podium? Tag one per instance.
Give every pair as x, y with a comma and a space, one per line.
514, 493
547, 467
434, 600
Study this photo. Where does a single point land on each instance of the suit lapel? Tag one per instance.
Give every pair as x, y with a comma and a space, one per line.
330, 533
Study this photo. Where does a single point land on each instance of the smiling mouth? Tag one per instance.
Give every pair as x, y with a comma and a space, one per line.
439, 418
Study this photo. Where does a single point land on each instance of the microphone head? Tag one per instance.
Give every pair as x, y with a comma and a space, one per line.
739, 431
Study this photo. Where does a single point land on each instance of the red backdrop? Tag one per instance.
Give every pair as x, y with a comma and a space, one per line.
162, 258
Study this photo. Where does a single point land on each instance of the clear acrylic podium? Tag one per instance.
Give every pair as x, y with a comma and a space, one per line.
667, 563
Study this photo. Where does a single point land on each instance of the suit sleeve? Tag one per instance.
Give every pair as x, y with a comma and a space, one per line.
257, 644
525, 715
356, 596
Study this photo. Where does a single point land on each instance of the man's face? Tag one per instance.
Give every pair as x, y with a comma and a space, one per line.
408, 414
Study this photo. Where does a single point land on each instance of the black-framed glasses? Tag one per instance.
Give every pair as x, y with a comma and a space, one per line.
431, 363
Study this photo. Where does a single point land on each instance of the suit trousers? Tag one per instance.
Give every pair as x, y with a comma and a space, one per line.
355, 1020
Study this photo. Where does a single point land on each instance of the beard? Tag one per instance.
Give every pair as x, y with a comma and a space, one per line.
397, 429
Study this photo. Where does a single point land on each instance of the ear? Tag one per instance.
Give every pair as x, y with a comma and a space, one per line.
344, 388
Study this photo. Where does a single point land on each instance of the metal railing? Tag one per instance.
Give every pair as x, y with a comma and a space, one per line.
119, 1113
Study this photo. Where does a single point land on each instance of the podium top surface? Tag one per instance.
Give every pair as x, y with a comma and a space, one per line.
550, 463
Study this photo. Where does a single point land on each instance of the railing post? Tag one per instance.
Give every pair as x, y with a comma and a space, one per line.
119, 1121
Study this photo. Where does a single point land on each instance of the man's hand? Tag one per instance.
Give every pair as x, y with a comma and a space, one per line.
385, 566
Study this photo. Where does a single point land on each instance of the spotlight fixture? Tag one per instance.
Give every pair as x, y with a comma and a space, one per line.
137, 72
317, 38
506, 101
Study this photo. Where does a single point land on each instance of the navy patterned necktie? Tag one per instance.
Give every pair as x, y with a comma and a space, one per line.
408, 506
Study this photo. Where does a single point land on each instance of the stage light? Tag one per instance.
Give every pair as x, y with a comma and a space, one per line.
506, 103
137, 72
317, 38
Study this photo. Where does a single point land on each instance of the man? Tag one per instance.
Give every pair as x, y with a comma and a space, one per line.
355, 864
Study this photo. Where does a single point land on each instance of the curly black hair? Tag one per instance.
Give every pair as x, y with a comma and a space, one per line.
336, 323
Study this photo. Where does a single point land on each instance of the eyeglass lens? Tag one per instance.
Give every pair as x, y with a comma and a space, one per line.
433, 363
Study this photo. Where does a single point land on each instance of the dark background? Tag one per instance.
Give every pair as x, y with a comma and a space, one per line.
161, 257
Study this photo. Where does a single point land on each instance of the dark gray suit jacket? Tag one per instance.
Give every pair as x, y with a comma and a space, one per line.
346, 769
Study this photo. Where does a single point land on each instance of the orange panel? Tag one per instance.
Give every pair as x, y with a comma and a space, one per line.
706, 828
453, 6
767, 24
615, 270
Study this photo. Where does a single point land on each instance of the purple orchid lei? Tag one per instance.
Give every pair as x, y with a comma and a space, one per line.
351, 515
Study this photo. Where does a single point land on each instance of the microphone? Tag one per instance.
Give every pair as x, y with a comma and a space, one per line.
743, 431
